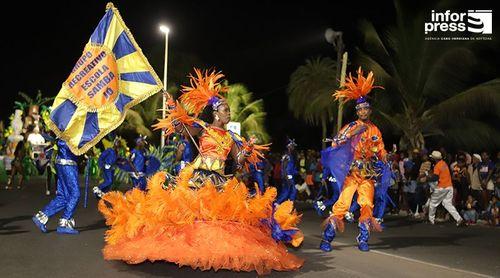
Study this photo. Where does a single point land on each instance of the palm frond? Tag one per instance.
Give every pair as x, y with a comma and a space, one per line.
26, 97
428, 85
472, 134
471, 103
314, 79
247, 111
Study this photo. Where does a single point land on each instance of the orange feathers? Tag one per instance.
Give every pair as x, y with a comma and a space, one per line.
178, 114
255, 151
205, 228
356, 87
204, 86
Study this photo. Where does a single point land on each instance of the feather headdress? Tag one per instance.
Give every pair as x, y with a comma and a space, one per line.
357, 88
205, 88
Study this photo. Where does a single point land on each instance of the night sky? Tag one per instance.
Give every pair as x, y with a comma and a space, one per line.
258, 43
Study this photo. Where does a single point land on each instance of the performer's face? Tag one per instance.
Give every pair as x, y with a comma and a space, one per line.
364, 113
140, 144
224, 113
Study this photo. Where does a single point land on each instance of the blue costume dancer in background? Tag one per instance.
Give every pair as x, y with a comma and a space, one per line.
68, 193
137, 164
184, 154
329, 187
288, 171
257, 174
107, 161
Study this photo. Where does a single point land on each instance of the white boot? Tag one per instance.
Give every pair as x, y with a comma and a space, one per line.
67, 226
40, 219
98, 192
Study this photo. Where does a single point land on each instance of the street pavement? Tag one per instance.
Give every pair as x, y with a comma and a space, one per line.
405, 249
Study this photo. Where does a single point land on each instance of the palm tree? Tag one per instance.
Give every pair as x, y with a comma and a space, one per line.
29, 101
248, 112
310, 92
38, 100
431, 88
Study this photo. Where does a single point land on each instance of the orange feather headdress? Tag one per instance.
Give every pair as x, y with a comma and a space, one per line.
205, 88
356, 88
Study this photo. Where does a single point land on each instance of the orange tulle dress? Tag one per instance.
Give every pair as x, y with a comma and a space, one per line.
205, 227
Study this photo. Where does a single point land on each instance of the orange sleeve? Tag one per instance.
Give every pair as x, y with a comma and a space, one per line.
380, 146
344, 134
437, 169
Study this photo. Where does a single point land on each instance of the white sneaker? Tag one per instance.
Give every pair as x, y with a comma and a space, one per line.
47, 193
349, 217
98, 193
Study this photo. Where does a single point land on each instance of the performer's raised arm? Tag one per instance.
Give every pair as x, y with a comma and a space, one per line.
246, 152
348, 132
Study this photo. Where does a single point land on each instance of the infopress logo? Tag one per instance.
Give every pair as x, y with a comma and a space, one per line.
480, 21
458, 24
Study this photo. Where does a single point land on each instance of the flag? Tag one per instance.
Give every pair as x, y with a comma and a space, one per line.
111, 76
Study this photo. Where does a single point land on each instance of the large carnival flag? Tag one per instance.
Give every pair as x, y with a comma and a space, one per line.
111, 76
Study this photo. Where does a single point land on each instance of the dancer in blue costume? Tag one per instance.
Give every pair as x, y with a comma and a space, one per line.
68, 193
288, 171
184, 154
139, 165
107, 161
257, 174
330, 190
135, 166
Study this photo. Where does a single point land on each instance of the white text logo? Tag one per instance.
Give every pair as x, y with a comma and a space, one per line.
458, 24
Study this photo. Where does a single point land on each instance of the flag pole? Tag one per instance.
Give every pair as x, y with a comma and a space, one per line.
87, 181
164, 30
342, 82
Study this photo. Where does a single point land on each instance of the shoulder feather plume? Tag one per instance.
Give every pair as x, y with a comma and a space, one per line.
177, 114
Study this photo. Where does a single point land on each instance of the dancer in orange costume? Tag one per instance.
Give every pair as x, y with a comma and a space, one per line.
364, 153
203, 218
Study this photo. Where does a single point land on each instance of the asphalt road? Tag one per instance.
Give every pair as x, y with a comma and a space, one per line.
405, 249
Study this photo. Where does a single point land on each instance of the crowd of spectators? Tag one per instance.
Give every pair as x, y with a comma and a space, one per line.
475, 180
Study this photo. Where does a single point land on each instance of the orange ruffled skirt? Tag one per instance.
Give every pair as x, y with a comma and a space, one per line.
205, 228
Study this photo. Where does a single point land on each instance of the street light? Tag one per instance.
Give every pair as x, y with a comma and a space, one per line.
335, 38
164, 29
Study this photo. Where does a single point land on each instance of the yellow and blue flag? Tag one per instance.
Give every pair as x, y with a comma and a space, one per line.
111, 76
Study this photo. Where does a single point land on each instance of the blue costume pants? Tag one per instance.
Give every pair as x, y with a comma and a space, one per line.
259, 179
140, 183
108, 180
68, 192
331, 188
288, 192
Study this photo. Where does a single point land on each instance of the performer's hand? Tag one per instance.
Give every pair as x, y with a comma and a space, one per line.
252, 141
359, 129
385, 158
